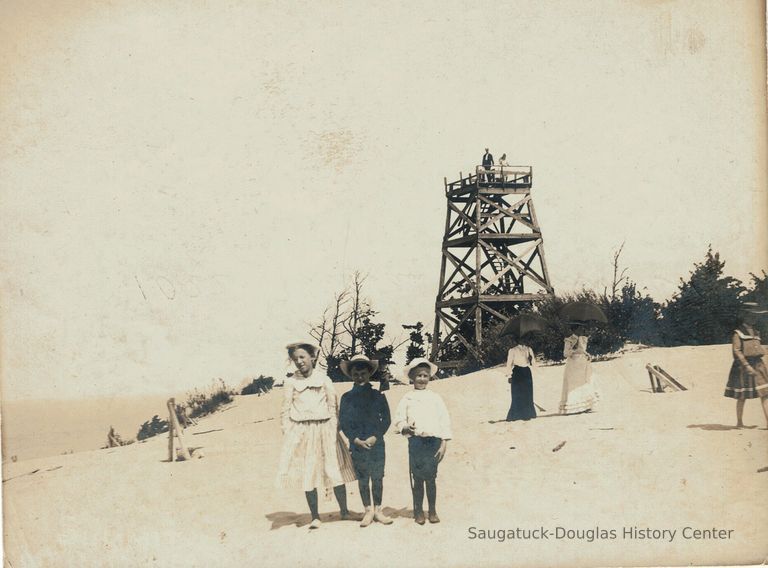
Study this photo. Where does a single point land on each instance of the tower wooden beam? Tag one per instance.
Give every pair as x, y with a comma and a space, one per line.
497, 222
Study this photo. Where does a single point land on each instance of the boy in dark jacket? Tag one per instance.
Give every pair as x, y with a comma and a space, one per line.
364, 418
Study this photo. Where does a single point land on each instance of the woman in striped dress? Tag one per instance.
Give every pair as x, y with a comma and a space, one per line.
748, 377
313, 454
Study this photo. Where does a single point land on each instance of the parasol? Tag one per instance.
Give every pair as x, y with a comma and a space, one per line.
582, 311
523, 324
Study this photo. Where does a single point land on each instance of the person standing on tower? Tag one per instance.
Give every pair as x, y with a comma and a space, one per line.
502, 164
488, 164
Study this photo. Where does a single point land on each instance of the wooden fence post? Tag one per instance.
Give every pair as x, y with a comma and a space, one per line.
650, 376
175, 425
170, 404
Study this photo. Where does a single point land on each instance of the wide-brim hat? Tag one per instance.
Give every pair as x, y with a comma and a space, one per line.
754, 308
310, 348
346, 366
417, 362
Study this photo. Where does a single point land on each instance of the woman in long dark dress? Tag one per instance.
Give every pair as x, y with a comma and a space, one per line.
519, 362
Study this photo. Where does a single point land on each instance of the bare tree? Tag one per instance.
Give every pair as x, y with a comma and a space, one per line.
360, 308
619, 277
347, 327
329, 330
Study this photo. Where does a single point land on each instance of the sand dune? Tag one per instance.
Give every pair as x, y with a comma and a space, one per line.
660, 461
32, 430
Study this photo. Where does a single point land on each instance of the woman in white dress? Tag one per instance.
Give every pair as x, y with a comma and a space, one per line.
579, 391
313, 454
503, 163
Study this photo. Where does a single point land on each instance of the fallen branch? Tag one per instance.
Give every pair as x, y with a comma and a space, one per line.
557, 447
22, 475
207, 431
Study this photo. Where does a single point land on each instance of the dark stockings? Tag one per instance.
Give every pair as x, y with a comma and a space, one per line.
312, 502
376, 486
418, 494
341, 496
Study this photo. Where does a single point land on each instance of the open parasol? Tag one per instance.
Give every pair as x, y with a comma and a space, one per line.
523, 324
582, 311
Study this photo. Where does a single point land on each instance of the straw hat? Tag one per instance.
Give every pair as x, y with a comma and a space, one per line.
754, 308
417, 362
346, 366
310, 348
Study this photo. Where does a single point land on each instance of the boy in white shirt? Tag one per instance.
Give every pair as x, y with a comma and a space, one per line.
423, 417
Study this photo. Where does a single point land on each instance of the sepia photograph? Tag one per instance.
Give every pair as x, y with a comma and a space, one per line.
344, 284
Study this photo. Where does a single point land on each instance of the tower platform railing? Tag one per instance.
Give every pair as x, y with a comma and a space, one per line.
493, 177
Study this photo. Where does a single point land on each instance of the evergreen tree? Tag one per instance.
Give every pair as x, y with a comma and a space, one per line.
705, 308
758, 292
417, 346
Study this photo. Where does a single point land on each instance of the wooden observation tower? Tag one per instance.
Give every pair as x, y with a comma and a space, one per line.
493, 259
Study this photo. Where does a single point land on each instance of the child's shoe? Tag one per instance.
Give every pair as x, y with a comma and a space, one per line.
433, 518
351, 516
315, 524
380, 517
368, 517
418, 516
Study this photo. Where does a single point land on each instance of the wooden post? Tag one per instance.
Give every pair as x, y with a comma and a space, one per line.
659, 374
670, 378
440, 286
177, 428
171, 454
650, 377
478, 269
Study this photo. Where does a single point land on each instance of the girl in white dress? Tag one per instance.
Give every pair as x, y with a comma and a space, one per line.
579, 391
313, 454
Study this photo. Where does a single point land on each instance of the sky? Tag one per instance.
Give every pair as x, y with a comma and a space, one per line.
186, 185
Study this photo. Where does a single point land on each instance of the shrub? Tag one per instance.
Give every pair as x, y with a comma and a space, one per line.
603, 338
152, 428
258, 386
634, 316
114, 439
201, 403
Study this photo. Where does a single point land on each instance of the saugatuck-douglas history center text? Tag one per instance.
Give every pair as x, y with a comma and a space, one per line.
598, 533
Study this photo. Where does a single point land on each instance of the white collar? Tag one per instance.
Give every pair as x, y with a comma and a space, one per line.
743, 335
315, 380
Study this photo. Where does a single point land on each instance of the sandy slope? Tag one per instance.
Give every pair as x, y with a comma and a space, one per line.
648, 460
30, 431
